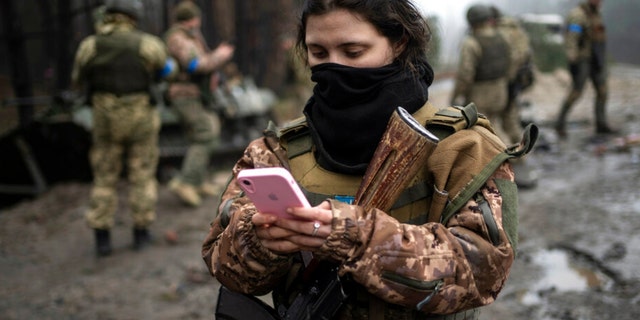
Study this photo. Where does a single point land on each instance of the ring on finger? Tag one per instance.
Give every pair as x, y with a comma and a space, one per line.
316, 227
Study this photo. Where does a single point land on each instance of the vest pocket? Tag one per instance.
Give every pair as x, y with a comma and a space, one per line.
428, 288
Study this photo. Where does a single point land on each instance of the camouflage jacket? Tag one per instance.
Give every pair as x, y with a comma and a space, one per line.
585, 28
196, 62
392, 260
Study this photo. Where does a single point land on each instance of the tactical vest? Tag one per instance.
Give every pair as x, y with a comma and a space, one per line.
494, 62
118, 67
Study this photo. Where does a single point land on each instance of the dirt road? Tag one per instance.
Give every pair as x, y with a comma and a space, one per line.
578, 254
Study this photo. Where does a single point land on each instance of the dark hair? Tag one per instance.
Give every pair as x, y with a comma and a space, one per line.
397, 20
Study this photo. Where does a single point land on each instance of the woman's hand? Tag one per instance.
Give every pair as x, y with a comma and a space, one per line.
291, 235
313, 227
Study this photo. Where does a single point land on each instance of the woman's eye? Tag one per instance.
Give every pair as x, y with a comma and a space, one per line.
318, 54
353, 54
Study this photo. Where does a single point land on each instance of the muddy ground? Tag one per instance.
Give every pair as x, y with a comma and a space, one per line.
578, 256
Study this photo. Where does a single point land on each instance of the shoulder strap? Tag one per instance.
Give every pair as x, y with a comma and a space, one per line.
295, 134
449, 120
529, 138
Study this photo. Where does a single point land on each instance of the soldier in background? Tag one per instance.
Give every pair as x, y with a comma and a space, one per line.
520, 72
481, 77
585, 49
520, 77
118, 65
190, 94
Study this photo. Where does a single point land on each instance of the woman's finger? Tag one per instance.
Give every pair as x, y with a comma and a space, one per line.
267, 232
280, 246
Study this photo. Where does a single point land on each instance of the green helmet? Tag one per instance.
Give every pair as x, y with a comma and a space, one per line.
479, 13
98, 13
186, 10
132, 8
98, 17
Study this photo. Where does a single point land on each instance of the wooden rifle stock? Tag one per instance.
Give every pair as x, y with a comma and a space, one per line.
402, 151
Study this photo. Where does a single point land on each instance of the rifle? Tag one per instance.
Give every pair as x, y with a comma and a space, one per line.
402, 151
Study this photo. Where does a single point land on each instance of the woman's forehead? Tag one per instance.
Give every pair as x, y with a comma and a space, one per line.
341, 23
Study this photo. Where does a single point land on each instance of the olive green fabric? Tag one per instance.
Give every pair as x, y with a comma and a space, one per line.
187, 10
493, 63
117, 66
510, 211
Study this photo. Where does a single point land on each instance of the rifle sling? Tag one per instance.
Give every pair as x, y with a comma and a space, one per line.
529, 137
473, 187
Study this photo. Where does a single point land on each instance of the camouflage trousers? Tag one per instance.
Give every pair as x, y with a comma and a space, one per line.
491, 99
581, 72
510, 119
125, 125
202, 129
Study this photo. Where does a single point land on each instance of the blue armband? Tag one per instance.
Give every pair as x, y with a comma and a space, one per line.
193, 64
576, 28
169, 67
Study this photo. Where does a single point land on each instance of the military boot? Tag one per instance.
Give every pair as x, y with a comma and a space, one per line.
187, 193
208, 189
601, 119
605, 129
103, 242
141, 238
561, 122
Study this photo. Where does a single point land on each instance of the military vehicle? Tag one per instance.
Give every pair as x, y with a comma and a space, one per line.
546, 33
55, 146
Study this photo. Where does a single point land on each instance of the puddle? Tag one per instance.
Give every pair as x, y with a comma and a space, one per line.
561, 273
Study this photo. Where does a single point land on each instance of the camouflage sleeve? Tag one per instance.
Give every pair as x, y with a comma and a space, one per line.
154, 52
469, 56
86, 51
430, 267
575, 24
232, 235
191, 55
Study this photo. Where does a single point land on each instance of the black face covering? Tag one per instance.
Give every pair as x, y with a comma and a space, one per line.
350, 108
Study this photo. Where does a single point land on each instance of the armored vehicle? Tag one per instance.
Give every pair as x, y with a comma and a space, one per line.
54, 146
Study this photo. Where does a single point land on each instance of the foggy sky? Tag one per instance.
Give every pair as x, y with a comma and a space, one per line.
452, 26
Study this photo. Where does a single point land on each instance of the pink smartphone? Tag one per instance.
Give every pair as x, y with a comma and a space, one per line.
272, 190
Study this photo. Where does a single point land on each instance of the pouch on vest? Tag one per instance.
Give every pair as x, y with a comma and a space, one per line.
449, 120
